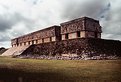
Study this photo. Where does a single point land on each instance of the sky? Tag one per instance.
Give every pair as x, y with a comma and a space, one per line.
20, 17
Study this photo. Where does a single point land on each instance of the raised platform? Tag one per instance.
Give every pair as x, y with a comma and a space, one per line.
80, 46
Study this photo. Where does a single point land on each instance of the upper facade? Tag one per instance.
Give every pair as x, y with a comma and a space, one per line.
42, 36
79, 28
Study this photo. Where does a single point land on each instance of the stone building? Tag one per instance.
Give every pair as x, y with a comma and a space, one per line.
79, 28
49, 34
75, 37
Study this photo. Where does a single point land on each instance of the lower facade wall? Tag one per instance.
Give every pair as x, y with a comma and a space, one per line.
83, 34
80, 46
46, 40
72, 35
53, 38
63, 37
36, 41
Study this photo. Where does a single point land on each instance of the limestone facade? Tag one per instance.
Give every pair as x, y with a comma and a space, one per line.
42, 36
79, 28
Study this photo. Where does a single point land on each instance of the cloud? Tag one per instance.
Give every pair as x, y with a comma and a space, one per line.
111, 22
4, 37
5, 44
8, 20
77, 8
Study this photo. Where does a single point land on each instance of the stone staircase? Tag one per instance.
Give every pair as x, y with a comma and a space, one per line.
13, 51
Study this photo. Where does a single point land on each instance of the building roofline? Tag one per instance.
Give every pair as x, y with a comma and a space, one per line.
65, 23
37, 31
79, 19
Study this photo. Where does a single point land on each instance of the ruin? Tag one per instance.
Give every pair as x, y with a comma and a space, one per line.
75, 37
78, 28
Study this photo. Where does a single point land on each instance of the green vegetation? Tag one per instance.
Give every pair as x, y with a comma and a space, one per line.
60, 70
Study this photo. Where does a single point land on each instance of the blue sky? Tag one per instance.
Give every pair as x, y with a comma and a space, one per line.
19, 17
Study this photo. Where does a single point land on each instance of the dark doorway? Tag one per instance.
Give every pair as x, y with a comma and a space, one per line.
24, 43
20, 44
32, 41
50, 39
78, 34
66, 36
36, 41
29, 42
42, 40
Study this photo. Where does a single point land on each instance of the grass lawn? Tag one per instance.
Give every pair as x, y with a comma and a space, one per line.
32, 70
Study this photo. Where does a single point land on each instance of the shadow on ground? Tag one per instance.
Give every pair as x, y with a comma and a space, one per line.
8, 75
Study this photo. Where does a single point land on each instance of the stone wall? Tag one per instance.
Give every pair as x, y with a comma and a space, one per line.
79, 28
105, 47
92, 25
72, 26
81, 24
88, 28
72, 35
56, 48
80, 46
40, 36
